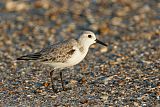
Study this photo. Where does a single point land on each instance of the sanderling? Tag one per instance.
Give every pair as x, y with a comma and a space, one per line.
64, 54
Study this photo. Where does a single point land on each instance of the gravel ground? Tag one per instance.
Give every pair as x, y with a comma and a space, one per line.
127, 73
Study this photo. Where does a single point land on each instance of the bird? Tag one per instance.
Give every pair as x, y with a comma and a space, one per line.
64, 54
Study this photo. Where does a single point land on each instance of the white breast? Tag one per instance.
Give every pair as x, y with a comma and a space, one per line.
77, 57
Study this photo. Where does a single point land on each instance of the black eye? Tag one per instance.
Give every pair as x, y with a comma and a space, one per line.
89, 36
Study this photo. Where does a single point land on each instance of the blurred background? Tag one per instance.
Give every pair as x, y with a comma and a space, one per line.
131, 27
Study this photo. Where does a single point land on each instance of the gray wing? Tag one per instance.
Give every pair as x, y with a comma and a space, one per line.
59, 52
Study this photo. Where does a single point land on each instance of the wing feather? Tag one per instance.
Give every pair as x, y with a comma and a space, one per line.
59, 52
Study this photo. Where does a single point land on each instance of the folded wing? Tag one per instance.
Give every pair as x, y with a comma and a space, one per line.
59, 52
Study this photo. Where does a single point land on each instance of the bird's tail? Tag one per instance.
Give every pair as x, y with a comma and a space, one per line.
34, 56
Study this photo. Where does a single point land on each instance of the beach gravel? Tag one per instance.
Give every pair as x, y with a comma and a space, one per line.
126, 73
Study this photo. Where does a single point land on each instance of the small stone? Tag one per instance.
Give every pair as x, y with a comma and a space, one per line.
103, 50
104, 29
73, 82
158, 93
46, 84
83, 101
145, 97
136, 104
136, 18
53, 96
123, 11
42, 4
104, 97
16, 6
116, 21
1, 83
113, 62
10, 6
39, 91
145, 8
94, 26
21, 7
83, 80
119, 60
29, 96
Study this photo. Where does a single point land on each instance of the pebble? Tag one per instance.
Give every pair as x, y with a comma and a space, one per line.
104, 49
42, 4
116, 21
16, 6
73, 82
126, 73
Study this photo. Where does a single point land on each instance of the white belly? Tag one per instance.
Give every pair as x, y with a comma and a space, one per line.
76, 58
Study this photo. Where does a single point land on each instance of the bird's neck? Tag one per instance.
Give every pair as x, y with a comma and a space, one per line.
83, 47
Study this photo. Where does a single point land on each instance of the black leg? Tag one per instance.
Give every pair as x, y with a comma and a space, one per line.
62, 81
51, 74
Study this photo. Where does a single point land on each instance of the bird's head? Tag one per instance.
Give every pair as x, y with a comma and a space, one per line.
88, 38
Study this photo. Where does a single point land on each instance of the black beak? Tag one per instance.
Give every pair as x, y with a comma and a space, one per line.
97, 41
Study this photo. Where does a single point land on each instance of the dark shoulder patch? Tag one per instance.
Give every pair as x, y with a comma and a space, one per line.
71, 52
